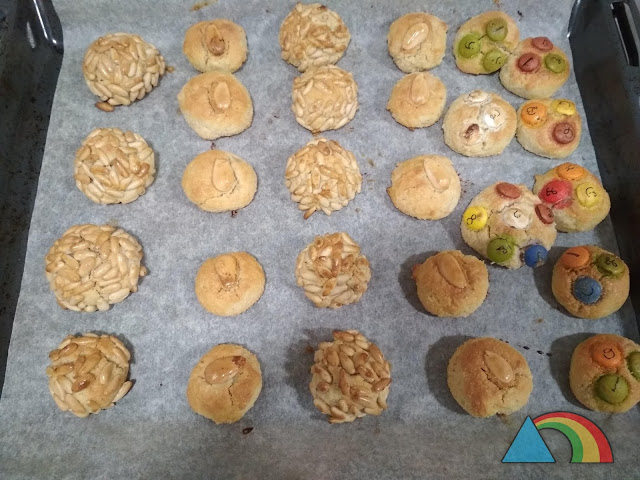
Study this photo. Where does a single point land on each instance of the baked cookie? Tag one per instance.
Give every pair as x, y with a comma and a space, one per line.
451, 284
417, 41
225, 383
535, 69
479, 124
417, 100
323, 176
549, 128
324, 98
113, 166
487, 376
590, 282
509, 225
88, 373
313, 35
575, 195
92, 267
216, 104
219, 181
605, 373
332, 271
218, 44
350, 377
229, 284
121, 68
425, 187
484, 42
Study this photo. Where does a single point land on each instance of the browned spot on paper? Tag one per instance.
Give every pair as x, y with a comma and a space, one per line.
234, 213
247, 430
200, 5
112, 222
308, 349
539, 320
370, 162
170, 69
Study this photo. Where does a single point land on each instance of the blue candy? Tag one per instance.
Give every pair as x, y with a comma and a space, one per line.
587, 290
535, 255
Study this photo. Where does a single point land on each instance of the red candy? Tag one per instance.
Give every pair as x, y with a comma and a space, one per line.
555, 191
529, 62
542, 43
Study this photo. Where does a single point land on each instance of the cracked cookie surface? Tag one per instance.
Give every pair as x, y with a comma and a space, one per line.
218, 44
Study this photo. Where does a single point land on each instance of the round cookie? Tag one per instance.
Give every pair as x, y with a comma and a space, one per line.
425, 187
229, 284
332, 271
323, 176
417, 41
509, 225
219, 181
605, 373
549, 128
91, 267
535, 69
225, 383
417, 100
113, 166
590, 282
451, 284
121, 68
479, 124
576, 196
324, 98
350, 377
88, 373
218, 44
313, 35
487, 376
484, 42
216, 104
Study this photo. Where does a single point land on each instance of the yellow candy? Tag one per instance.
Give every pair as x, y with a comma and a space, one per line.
570, 171
475, 218
564, 106
534, 114
588, 194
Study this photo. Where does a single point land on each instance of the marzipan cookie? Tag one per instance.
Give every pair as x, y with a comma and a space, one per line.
417, 100
417, 41
218, 44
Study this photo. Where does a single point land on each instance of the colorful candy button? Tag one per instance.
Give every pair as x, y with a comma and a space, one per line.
587, 290
535, 255
633, 362
609, 264
564, 133
516, 218
528, 62
542, 43
493, 60
575, 257
612, 388
570, 171
500, 249
555, 191
497, 29
508, 190
475, 218
545, 214
564, 106
588, 194
469, 46
606, 354
555, 63
534, 114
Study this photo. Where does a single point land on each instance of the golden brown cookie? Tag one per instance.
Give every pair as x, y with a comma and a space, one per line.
605, 373
451, 284
350, 377
229, 284
218, 44
486, 377
590, 282
417, 100
417, 41
88, 373
225, 383
219, 181
216, 104
576, 196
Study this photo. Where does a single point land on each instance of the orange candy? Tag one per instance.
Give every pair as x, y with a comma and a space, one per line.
575, 257
534, 113
606, 354
570, 171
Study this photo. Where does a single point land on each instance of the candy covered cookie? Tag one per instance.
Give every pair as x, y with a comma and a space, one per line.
576, 196
509, 225
590, 282
549, 128
218, 44
605, 373
536, 69
451, 284
484, 42
479, 124
417, 100
487, 376
417, 41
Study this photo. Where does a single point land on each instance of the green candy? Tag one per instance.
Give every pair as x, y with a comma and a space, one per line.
469, 46
497, 29
609, 265
633, 360
494, 60
500, 249
555, 63
612, 388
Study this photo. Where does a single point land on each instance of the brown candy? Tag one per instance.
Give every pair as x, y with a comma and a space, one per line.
563, 133
545, 214
542, 43
529, 62
508, 190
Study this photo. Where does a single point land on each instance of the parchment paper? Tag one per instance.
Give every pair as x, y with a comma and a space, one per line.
152, 433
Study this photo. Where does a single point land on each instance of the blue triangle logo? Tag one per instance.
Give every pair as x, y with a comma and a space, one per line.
528, 446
